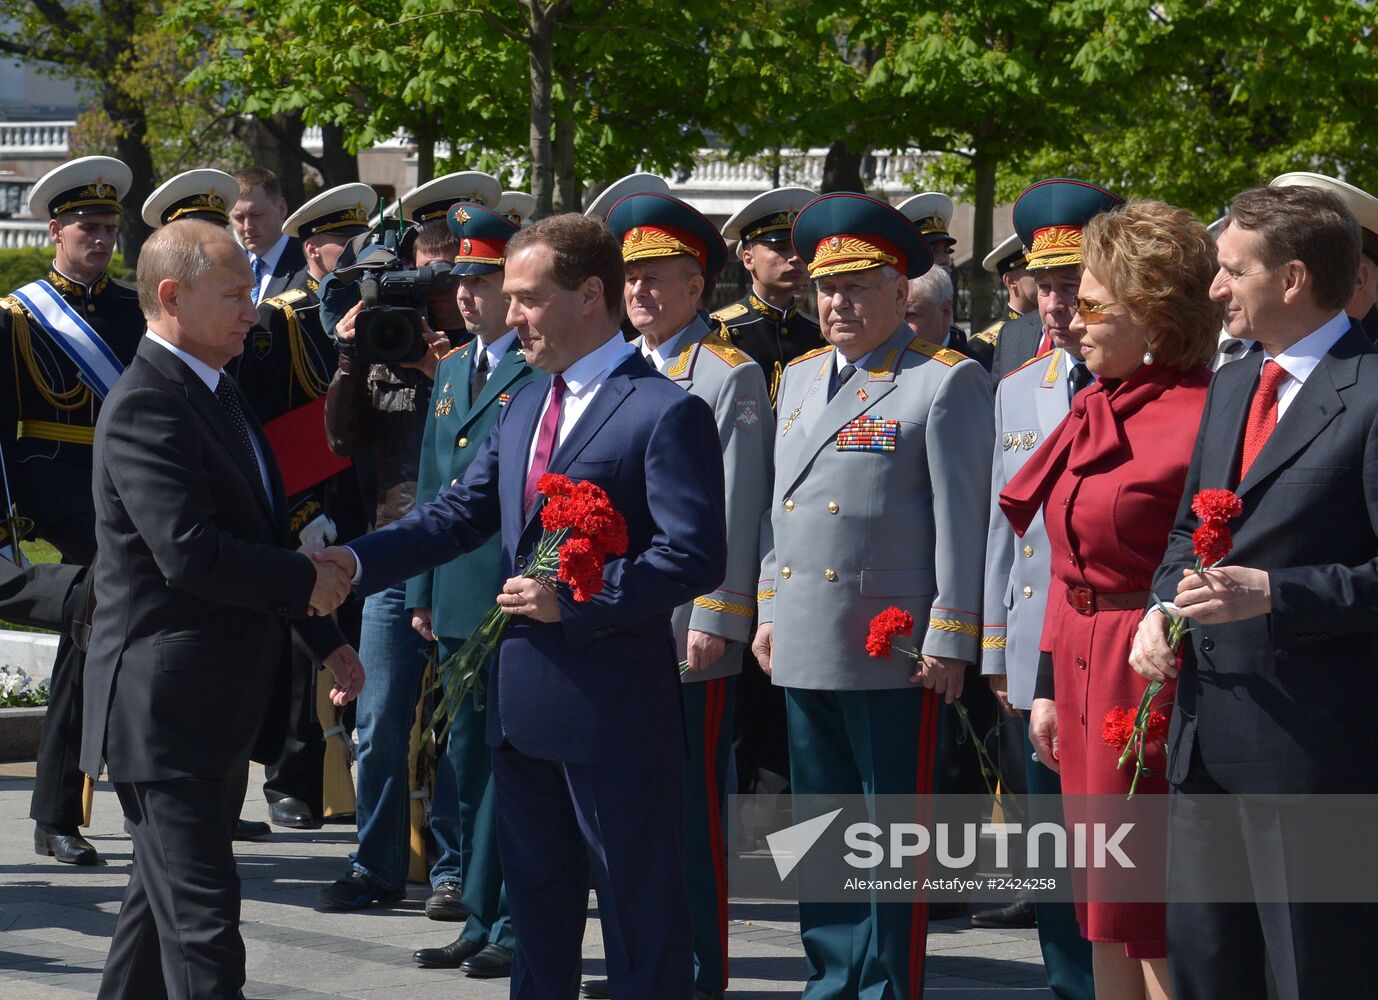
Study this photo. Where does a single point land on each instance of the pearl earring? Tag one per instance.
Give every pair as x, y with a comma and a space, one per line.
1148, 356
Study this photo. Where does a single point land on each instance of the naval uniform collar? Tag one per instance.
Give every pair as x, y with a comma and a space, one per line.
76, 289
770, 311
312, 284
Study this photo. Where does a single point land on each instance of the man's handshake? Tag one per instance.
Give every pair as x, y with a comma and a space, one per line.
335, 569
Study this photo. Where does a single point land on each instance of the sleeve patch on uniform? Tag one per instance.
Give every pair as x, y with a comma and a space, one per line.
748, 414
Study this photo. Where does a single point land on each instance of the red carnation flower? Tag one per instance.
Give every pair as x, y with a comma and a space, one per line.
581, 567
1212, 542
1156, 729
1216, 506
884, 627
1118, 726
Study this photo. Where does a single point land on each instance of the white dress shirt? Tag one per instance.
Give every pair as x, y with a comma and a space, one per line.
211, 377
270, 262
1301, 359
660, 356
583, 379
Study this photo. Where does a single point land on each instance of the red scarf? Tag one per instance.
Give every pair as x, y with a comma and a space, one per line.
1091, 432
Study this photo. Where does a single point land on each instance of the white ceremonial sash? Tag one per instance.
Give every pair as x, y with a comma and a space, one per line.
96, 364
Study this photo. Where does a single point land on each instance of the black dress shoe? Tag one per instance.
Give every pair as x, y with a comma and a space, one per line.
293, 813
356, 891
493, 962
452, 956
249, 829
69, 848
1018, 914
597, 989
444, 904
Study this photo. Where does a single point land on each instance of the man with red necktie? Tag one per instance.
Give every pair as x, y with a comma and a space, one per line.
1277, 682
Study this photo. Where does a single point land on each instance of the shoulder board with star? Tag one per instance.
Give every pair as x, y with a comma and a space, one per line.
727, 313
720, 346
811, 354
991, 333
943, 355
291, 297
1032, 361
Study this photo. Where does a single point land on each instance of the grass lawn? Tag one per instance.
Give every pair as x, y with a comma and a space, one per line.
36, 552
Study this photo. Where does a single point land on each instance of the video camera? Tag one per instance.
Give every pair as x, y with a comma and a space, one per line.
388, 328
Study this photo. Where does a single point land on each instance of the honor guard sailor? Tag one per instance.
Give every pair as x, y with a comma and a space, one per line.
767, 324
195, 194
517, 207
1008, 261
431, 201
65, 339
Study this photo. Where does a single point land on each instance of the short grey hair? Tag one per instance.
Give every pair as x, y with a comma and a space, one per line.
176, 251
932, 286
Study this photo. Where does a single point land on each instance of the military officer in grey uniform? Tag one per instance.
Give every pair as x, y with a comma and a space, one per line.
767, 323
64, 341
931, 212
880, 499
670, 251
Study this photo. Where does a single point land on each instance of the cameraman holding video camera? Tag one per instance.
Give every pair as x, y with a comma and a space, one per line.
376, 413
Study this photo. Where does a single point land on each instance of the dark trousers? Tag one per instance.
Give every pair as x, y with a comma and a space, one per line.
485, 893
850, 743
559, 822
58, 778
708, 720
177, 936
297, 771
1237, 951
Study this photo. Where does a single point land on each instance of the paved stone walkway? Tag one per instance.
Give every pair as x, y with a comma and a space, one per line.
56, 921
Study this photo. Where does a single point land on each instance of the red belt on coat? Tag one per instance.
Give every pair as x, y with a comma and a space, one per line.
1086, 601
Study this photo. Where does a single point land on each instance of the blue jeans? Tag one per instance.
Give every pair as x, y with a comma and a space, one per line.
394, 658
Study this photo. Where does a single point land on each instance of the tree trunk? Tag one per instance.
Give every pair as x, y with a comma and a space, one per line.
566, 195
275, 143
424, 133
131, 130
982, 301
540, 59
337, 164
842, 168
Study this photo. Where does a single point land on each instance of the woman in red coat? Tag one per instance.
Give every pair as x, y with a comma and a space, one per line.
1110, 479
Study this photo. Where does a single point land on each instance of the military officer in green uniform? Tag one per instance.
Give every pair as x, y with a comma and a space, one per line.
670, 251
64, 341
767, 324
881, 495
473, 384
284, 372
1009, 262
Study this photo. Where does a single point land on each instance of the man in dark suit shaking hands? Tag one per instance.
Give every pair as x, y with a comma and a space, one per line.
1278, 678
196, 585
583, 709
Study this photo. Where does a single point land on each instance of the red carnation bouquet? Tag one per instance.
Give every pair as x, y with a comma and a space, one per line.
880, 642
1133, 733
581, 529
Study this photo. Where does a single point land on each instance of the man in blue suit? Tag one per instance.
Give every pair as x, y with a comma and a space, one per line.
583, 708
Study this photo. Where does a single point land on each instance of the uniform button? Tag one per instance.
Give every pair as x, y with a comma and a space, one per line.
454, 482
785, 572
789, 505
1028, 551
833, 507
1207, 644
1028, 592
521, 562
830, 575
1081, 663
463, 442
